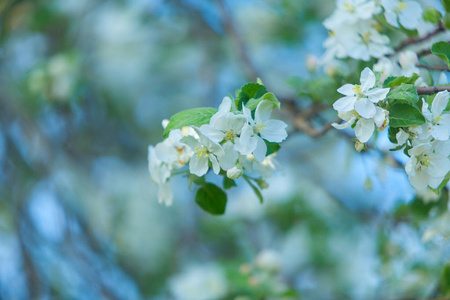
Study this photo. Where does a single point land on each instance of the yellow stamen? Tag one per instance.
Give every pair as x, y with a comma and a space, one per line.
402, 5
349, 7
260, 127
202, 152
358, 91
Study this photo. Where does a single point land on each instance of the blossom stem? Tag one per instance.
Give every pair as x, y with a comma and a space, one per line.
436, 68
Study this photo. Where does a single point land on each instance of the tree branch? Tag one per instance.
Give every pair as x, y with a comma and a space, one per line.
430, 90
412, 41
433, 68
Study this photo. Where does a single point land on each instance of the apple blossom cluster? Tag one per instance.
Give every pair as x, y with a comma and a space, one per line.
238, 139
356, 27
422, 132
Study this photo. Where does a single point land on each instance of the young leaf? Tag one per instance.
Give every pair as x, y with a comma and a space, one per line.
211, 199
392, 134
253, 103
228, 183
405, 92
402, 114
432, 15
249, 91
190, 117
272, 147
395, 81
442, 50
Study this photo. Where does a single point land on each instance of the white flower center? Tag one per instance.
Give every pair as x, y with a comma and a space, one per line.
423, 161
349, 7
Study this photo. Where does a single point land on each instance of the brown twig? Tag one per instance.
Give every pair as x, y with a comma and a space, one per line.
433, 68
430, 90
412, 41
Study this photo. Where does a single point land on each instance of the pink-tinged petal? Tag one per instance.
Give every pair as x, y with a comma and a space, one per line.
365, 108
347, 90
377, 94
364, 130
439, 103
367, 79
261, 149
215, 164
228, 160
198, 165
439, 132
345, 103
263, 111
275, 131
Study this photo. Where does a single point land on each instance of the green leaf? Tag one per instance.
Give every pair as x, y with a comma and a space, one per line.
249, 91
405, 92
432, 15
253, 103
446, 5
445, 281
442, 50
395, 81
228, 183
272, 147
255, 189
402, 114
190, 117
211, 199
392, 134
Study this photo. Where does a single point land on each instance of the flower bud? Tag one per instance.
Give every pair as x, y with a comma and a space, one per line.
311, 63
262, 183
235, 172
360, 146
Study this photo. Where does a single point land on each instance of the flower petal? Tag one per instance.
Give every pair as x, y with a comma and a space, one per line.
367, 79
275, 131
439, 103
377, 94
198, 165
260, 150
228, 160
346, 103
347, 90
364, 130
215, 164
246, 143
365, 108
263, 111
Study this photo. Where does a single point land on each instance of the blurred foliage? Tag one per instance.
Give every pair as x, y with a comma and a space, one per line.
85, 86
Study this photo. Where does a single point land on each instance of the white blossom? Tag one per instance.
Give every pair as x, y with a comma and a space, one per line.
262, 127
428, 165
160, 174
361, 98
405, 13
205, 151
438, 121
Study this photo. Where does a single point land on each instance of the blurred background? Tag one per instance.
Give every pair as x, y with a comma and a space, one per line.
84, 87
